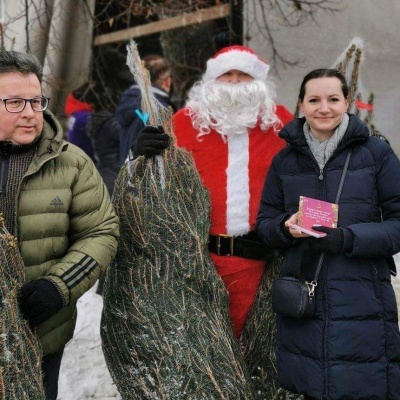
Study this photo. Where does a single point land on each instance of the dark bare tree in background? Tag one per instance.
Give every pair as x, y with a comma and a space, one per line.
187, 48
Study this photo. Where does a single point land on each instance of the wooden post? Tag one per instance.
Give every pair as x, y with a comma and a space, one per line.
180, 21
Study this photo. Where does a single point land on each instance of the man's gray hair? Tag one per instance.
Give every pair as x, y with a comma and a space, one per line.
14, 61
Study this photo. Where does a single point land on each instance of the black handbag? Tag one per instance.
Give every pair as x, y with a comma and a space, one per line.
293, 297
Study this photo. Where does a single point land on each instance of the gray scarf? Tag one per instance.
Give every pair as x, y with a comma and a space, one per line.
322, 151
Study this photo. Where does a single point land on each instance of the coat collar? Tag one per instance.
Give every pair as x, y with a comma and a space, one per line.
52, 134
51, 142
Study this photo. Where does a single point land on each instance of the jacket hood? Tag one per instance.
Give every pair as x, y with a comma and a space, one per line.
293, 134
52, 135
73, 105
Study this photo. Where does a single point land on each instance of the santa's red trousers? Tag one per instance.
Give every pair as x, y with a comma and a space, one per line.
242, 283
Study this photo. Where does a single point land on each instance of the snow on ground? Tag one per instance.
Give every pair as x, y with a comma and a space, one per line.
84, 374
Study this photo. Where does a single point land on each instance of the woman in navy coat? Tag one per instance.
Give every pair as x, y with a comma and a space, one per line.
350, 348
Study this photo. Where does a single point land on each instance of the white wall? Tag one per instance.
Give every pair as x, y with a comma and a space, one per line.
61, 41
376, 22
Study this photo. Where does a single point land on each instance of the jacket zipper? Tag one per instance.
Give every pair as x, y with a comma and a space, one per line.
324, 276
375, 279
321, 170
324, 342
48, 151
3, 161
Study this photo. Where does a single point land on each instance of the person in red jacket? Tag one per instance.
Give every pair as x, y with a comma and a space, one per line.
79, 105
230, 126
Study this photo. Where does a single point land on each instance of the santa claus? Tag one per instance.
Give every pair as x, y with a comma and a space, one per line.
230, 126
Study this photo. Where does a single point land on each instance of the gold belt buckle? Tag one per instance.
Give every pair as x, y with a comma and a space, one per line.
230, 237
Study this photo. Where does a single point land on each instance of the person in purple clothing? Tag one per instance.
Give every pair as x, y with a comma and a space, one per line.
78, 107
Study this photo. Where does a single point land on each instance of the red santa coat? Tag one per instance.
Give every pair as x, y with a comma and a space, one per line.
233, 171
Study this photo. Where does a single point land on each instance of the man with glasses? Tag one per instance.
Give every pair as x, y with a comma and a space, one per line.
16, 105
55, 203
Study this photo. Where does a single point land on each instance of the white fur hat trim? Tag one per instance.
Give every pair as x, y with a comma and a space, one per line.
236, 57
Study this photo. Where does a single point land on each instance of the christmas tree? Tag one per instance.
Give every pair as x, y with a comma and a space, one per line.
20, 352
165, 326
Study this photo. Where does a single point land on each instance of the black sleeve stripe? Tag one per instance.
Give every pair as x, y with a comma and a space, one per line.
78, 266
79, 271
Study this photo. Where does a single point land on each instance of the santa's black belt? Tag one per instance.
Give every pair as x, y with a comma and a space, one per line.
239, 246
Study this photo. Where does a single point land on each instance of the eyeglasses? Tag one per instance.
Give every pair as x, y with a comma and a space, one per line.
17, 104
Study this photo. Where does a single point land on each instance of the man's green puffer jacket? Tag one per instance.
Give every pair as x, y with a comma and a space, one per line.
66, 227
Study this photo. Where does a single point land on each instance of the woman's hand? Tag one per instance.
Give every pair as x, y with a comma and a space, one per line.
293, 231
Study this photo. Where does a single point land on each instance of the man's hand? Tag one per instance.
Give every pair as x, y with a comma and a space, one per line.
151, 141
38, 301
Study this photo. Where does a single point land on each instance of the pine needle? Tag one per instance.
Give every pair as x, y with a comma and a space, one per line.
165, 326
20, 350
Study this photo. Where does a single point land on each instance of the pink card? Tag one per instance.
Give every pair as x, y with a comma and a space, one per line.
316, 212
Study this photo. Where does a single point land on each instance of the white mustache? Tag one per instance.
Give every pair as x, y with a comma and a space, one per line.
231, 109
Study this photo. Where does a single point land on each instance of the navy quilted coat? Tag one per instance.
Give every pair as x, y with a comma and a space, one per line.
350, 349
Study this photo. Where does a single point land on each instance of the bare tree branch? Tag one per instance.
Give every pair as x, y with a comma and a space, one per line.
287, 14
28, 49
265, 19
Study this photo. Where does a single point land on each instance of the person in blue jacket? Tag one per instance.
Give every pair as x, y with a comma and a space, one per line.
130, 122
350, 347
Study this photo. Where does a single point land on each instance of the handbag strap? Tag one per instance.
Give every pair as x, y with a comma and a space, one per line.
346, 164
311, 285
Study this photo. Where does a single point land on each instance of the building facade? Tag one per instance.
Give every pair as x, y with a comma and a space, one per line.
318, 44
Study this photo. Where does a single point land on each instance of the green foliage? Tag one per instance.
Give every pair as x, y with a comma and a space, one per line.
165, 327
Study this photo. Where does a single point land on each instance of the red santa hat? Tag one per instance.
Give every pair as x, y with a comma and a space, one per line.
236, 57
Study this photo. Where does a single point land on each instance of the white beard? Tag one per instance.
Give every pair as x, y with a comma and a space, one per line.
231, 109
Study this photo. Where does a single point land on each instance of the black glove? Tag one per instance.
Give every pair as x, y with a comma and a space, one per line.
332, 243
38, 301
151, 141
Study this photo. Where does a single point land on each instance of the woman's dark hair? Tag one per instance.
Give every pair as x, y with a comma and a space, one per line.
323, 73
